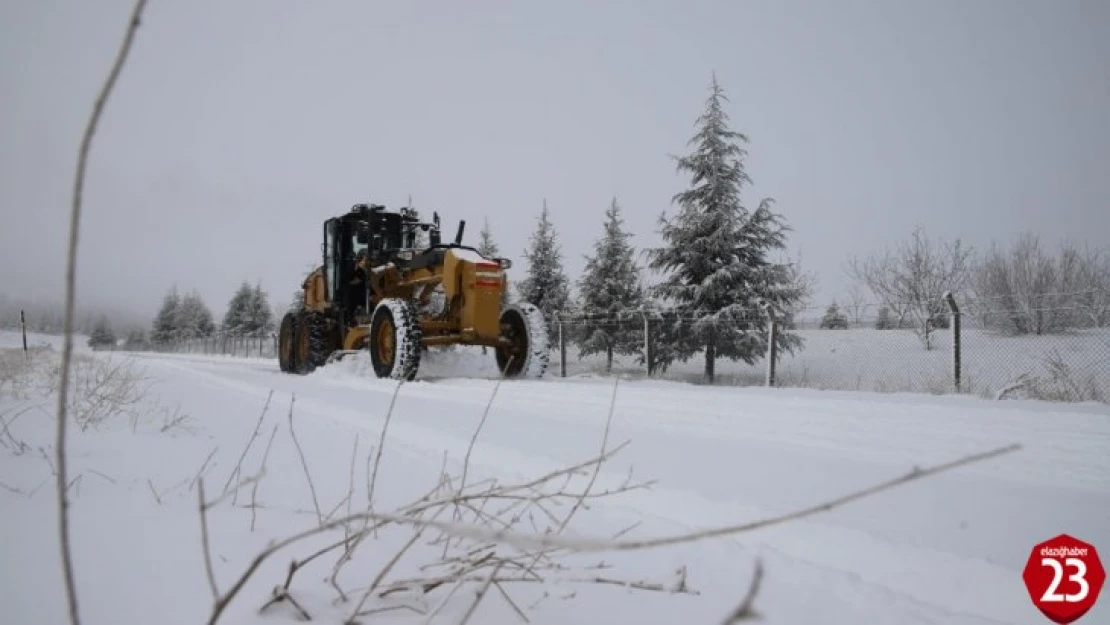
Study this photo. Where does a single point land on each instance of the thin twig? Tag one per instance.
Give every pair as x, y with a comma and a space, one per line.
597, 467
381, 445
509, 600
202, 467
71, 289
351, 482
480, 594
304, 464
373, 480
261, 469
202, 507
153, 491
107, 477
746, 610
17, 491
383, 572
583, 544
481, 424
237, 471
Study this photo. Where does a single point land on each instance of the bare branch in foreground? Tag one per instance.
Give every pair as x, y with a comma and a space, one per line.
333, 579
304, 463
351, 481
261, 469
597, 467
202, 507
481, 424
585, 544
381, 446
490, 551
13, 489
746, 610
480, 594
71, 290
202, 468
237, 471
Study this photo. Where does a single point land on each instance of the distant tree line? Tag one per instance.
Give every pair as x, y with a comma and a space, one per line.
185, 317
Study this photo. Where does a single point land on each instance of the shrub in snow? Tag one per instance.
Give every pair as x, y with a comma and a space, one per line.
834, 319
102, 336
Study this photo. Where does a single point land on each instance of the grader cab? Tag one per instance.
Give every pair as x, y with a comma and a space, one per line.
389, 286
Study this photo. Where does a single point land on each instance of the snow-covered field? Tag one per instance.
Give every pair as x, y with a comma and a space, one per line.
896, 361
858, 360
944, 549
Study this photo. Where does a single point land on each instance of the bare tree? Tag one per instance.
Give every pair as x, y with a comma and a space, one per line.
856, 304
1089, 283
913, 278
1025, 290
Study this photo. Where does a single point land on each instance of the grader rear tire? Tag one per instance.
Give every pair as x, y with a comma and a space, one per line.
313, 342
287, 339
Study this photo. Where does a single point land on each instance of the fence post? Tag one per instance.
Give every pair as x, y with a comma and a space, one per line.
647, 342
23, 329
562, 347
956, 336
772, 349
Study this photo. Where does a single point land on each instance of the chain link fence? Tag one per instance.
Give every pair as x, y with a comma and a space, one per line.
874, 348
217, 345
981, 347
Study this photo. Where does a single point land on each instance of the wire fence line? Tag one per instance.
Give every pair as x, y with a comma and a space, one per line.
261, 346
969, 347
980, 346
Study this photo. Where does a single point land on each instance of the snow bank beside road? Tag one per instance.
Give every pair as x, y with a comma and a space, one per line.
948, 549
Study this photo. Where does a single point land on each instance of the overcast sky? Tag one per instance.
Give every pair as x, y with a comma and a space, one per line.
240, 125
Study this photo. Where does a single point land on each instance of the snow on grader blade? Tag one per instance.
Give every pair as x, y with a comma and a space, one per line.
384, 291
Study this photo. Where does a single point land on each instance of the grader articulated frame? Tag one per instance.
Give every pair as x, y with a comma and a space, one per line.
380, 290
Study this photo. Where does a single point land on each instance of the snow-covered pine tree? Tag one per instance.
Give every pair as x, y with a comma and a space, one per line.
546, 285
248, 312
262, 317
611, 294
193, 319
102, 336
834, 319
718, 277
235, 319
164, 329
488, 247
136, 341
884, 320
296, 303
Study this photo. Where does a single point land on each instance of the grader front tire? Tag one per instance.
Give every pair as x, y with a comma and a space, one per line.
526, 351
395, 339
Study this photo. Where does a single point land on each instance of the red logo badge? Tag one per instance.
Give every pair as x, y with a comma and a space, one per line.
1063, 577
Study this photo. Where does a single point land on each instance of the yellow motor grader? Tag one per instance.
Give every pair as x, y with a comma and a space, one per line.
385, 290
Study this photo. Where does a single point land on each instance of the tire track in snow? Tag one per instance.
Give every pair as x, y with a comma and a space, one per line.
971, 585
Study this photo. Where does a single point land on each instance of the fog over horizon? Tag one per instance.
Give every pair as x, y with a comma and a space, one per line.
238, 127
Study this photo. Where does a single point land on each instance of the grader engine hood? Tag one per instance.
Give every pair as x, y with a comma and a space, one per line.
479, 281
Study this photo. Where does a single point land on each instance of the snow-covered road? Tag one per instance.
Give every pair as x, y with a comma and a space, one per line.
948, 549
